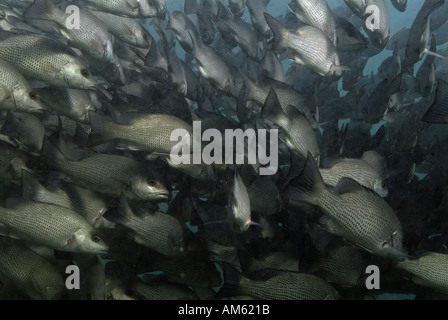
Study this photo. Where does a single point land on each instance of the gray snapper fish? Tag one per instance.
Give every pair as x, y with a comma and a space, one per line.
352, 212
16, 93
150, 132
32, 273
106, 174
45, 59
309, 46
53, 226
428, 270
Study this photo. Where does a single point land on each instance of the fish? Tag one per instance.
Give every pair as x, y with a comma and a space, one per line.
50, 225
239, 204
257, 9
286, 286
438, 111
299, 135
31, 273
16, 93
420, 33
75, 104
26, 130
150, 133
237, 7
212, 67
130, 8
120, 175
317, 14
427, 270
357, 169
400, 5
127, 29
155, 230
383, 237
57, 64
88, 204
309, 46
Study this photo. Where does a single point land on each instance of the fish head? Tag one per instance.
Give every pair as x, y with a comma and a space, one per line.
379, 186
148, 188
78, 76
88, 241
392, 247
26, 99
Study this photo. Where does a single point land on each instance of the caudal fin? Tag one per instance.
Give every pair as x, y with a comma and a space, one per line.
308, 186
102, 130
272, 109
44, 10
280, 33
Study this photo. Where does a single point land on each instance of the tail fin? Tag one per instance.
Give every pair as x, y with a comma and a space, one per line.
102, 130
125, 212
272, 110
280, 33
51, 155
232, 279
309, 185
45, 10
31, 187
438, 112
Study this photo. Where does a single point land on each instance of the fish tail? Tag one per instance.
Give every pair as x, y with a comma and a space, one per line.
308, 186
438, 112
232, 280
42, 9
280, 33
102, 130
31, 188
272, 110
122, 214
51, 155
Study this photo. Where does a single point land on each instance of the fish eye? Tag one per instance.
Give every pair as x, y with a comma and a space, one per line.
85, 73
96, 238
152, 183
32, 95
383, 185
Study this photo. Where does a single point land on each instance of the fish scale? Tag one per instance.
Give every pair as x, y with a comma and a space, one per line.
16, 90
309, 42
150, 132
356, 169
430, 269
289, 286
359, 215
97, 168
159, 231
44, 224
21, 51
344, 266
31, 272
130, 8
318, 14
362, 217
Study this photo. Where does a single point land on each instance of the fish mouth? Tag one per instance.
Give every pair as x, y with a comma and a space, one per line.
163, 195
